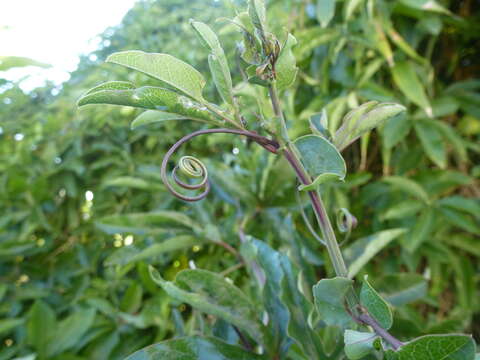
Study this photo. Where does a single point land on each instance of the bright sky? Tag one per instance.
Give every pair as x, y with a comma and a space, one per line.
55, 32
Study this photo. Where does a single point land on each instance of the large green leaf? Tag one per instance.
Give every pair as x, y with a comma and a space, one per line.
320, 158
165, 68
194, 348
329, 297
148, 97
407, 80
212, 294
436, 347
376, 305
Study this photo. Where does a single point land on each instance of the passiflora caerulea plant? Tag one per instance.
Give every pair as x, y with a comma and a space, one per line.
284, 324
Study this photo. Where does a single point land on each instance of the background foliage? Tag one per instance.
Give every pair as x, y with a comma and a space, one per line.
74, 269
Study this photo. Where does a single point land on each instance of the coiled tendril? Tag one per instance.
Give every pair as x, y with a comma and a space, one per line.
194, 168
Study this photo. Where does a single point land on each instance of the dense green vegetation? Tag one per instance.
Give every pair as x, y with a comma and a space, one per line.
84, 211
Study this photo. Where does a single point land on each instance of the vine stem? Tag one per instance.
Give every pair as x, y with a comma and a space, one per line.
335, 254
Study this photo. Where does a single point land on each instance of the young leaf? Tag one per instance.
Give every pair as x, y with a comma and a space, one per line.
329, 297
212, 294
363, 119
285, 67
432, 141
358, 344
165, 68
320, 157
325, 11
257, 13
375, 305
407, 80
194, 348
149, 97
217, 61
436, 347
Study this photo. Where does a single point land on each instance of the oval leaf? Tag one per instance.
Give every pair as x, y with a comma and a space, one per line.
165, 68
320, 157
376, 306
329, 297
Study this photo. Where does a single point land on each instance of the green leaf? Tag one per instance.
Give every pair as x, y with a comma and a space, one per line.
428, 5
358, 344
112, 85
146, 223
278, 315
375, 305
421, 231
407, 80
363, 119
154, 116
217, 61
41, 323
395, 130
409, 186
10, 62
221, 78
285, 66
122, 257
257, 13
329, 297
363, 250
149, 97
320, 157
70, 330
132, 299
6, 325
403, 288
432, 141
300, 309
165, 68
403, 209
325, 11
437, 347
194, 348
212, 294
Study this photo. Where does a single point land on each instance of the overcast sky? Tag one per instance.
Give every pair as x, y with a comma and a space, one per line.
55, 32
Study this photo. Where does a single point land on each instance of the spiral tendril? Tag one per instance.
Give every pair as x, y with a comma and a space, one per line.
191, 167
